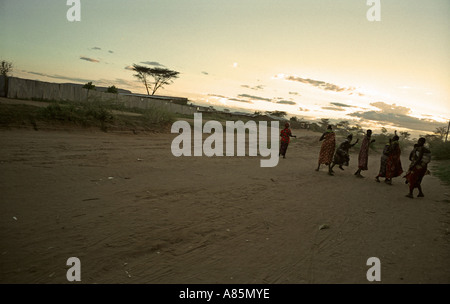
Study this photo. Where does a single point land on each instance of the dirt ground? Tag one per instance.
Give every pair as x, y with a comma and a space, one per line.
134, 213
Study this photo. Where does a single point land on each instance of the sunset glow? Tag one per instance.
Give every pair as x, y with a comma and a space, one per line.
312, 59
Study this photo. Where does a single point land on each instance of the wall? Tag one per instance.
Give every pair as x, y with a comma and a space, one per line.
2, 86
19, 88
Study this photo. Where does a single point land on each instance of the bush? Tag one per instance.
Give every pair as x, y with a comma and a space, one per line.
112, 89
156, 115
440, 150
85, 114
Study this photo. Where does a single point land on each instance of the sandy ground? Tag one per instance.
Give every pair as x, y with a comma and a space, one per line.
134, 213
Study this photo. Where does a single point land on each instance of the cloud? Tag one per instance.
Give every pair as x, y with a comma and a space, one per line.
96, 48
342, 105
256, 88
240, 100
36, 73
129, 67
288, 102
152, 63
231, 99
333, 108
316, 83
205, 73
396, 116
110, 52
303, 109
294, 93
89, 59
255, 97
387, 108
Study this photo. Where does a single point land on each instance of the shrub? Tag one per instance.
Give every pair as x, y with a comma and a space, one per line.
440, 150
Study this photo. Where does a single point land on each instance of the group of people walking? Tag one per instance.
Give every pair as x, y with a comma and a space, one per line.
390, 162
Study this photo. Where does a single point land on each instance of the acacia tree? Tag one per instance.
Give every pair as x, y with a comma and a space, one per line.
141, 74
161, 77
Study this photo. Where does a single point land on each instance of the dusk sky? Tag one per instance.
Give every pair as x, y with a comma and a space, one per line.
311, 58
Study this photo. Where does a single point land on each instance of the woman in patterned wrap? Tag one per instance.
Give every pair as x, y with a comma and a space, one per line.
391, 165
363, 157
286, 135
327, 148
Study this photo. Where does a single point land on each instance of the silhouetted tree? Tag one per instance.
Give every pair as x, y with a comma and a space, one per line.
280, 114
141, 74
112, 89
161, 77
405, 135
441, 132
89, 86
345, 125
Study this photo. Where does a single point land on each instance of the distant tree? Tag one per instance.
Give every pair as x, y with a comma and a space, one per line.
383, 130
432, 138
6, 67
357, 129
405, 135
161, 77
345, 125
89, 86
293, 119
315, 127
324, 123
142, 74
257, 113
441, 132
112, 89
280, 114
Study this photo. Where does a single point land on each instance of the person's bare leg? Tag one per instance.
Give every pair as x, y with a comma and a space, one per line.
330, 169
420, 191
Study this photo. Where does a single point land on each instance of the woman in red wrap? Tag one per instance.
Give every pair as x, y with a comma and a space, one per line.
286, 135
419, 157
